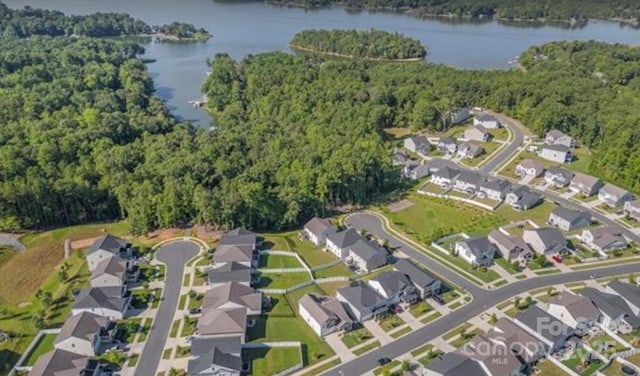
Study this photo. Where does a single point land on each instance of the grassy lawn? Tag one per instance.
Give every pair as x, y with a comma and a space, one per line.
489, 149
499, 133
282, 280
182, 302
604, 344
279, 306
275, 329
338, 270
356, 337
269, 361
390, 321
631, 337
433, 188
421, 350
539, 214
364, 349
186, 280
293, 297
582, 160
133, 360
401, 332
144, 329
547, 368
44, 345
387, 367
509, 170
429, 357
456, 331
506, 265
330, 288
166, 354
324, 367
485, 275
278, 262
634, 359
430, 318
419, 309
461, 341
189, 327
174, 329
289, 241
573, 362
5, 254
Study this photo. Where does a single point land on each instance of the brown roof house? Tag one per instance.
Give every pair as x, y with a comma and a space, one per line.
232, 295
585, 184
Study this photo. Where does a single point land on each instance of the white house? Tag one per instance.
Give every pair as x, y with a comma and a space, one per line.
317, 230
477, 133
85, 334
529, 167
323, 314
632, 209
494, 189
569, 219
486, 120
575, 311
558, 177
586, 185
470, 150
603, 239
396, 287
105, 247
467, 181
476, 251
445, 177
111, 302
447, 145
556, 137
339, 243
556, 153
614, 196
366, 255
546, 241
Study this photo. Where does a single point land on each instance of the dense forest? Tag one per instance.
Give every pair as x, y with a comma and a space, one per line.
183, 31
365, 44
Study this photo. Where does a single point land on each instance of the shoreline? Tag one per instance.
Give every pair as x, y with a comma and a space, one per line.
296, 47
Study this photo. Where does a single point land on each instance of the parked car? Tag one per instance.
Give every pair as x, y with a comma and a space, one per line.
194, 311
557, 259
438, 299
383, 361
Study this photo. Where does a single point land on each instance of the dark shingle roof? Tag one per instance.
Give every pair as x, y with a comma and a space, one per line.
393, 282
202, 345
447, 173
230, 272
101, 297
214, 357
570, 214
629, 292
108, 243
559, 171
612, 305
361, 296
317, 225
344, 239
61, 363
417, 275
480, 245
238, 236
366, 249
553, 330
85, 325
454, 364
112, 266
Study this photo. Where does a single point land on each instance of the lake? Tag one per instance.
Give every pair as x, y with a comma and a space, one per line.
249, 28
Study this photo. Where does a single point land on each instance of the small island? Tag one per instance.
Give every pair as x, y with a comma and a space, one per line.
373, 45
181, 32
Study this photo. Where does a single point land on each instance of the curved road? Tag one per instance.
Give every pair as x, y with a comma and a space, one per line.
482, 299
174, 255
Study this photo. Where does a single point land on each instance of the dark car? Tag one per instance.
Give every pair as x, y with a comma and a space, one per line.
438, 299
195, 311
383, 361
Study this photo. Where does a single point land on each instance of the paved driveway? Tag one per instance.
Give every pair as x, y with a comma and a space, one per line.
174, 255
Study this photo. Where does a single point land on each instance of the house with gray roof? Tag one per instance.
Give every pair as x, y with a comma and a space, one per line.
614, 196
324, 314
339, 243
223, 323
105, 247
556, 153
454, 364
522, 198
529, 167
239, 237
394, 286
496, 357
477, 251
415, 171
574, 310
558, 177
426, 284
458, 116
470, 150
615, 312
512, 248
477, 133
85, 334
215, 362
362, 301
233, 295
556, 137
418, 144
400, 157
568, 219
632, 209
467, 181
549, 329
603, 239
317, 230
630, 293
65, 363
527, 348
221, 273
447, 145
366, 255
109, 272
546, 241
445, 177
494, 189
111, 302
243, 254
585, 184
436, 164
486, 120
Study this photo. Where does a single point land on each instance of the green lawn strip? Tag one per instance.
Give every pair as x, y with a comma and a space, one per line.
133, 360
387, 367
450, 296
189, 326
128, 328
320, 369
174, 328
330, 288
282, 280
389, 321
461, 341
338, 270
455, 305
632, 337
144, 329
355, 337
195, 301
183, 352
500, 283
429, 357
269, 361
421, 350
366, 348
489, 148
419, 309
430, 318
521, 276
166, 354
279, 306
182, 302
602, 342
204, 261
456, 331
506, 265
546, 367
278, 262
186, 280
294, 296
399, 333
375, 273
312, 255
547, 271
574, 361
593, 265
157, 297
44, 345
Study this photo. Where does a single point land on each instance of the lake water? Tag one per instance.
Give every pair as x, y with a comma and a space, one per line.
249, 28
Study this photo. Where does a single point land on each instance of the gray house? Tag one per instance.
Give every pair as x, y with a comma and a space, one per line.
395, 287
556, 137
215, 356
556, 153
486, 120
603, 239
546, 241
614, 196
426, 284
217, 323
243, 254
552, 331
615, 311
458, 116
366, 255
109, 272
445, 177
239, 237
418, 144
467, 181
522, 198
229, 272
476, 251
470, 150
111, 302
568, 219
62, 362
477, 133
585, 184
574, 310
324, 314
362, 301
105, 247
416, 171
558, 177
447, 145
85, 334
494, 189
317, 230
632, 209
454, 364
512, 248
630, 293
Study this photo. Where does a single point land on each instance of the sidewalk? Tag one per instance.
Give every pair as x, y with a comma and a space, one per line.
503, 273
409, 319
334, 341
375, 329
442, 310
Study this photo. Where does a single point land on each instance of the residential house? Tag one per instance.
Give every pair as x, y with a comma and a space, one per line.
632, 209
111, 302
216, 356
109, 272
522, 198
630, 293
445, 177
400, 157
512, 248
574, 310
603, 239
243, 254
529, 167
437, 164
416, 171
239, 237
494, 356
569, 219
470, 150
546, 241
549, 329
317, 230
460, 115
585, 184
395, 287
426, 284
556, 137
614, 196
615, 312
339, 243
85, 334
558, 177
494, 189
477, 251
467, 181
556, 153
526, 347
324, 314
105, 247
215, 323
366, 255
233, 295
62, 363
418, 144
447, 145
477, 133
454, 364
221, 273
362, 301
487, 121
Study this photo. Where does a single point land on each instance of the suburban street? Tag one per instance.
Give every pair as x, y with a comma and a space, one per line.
174, 255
